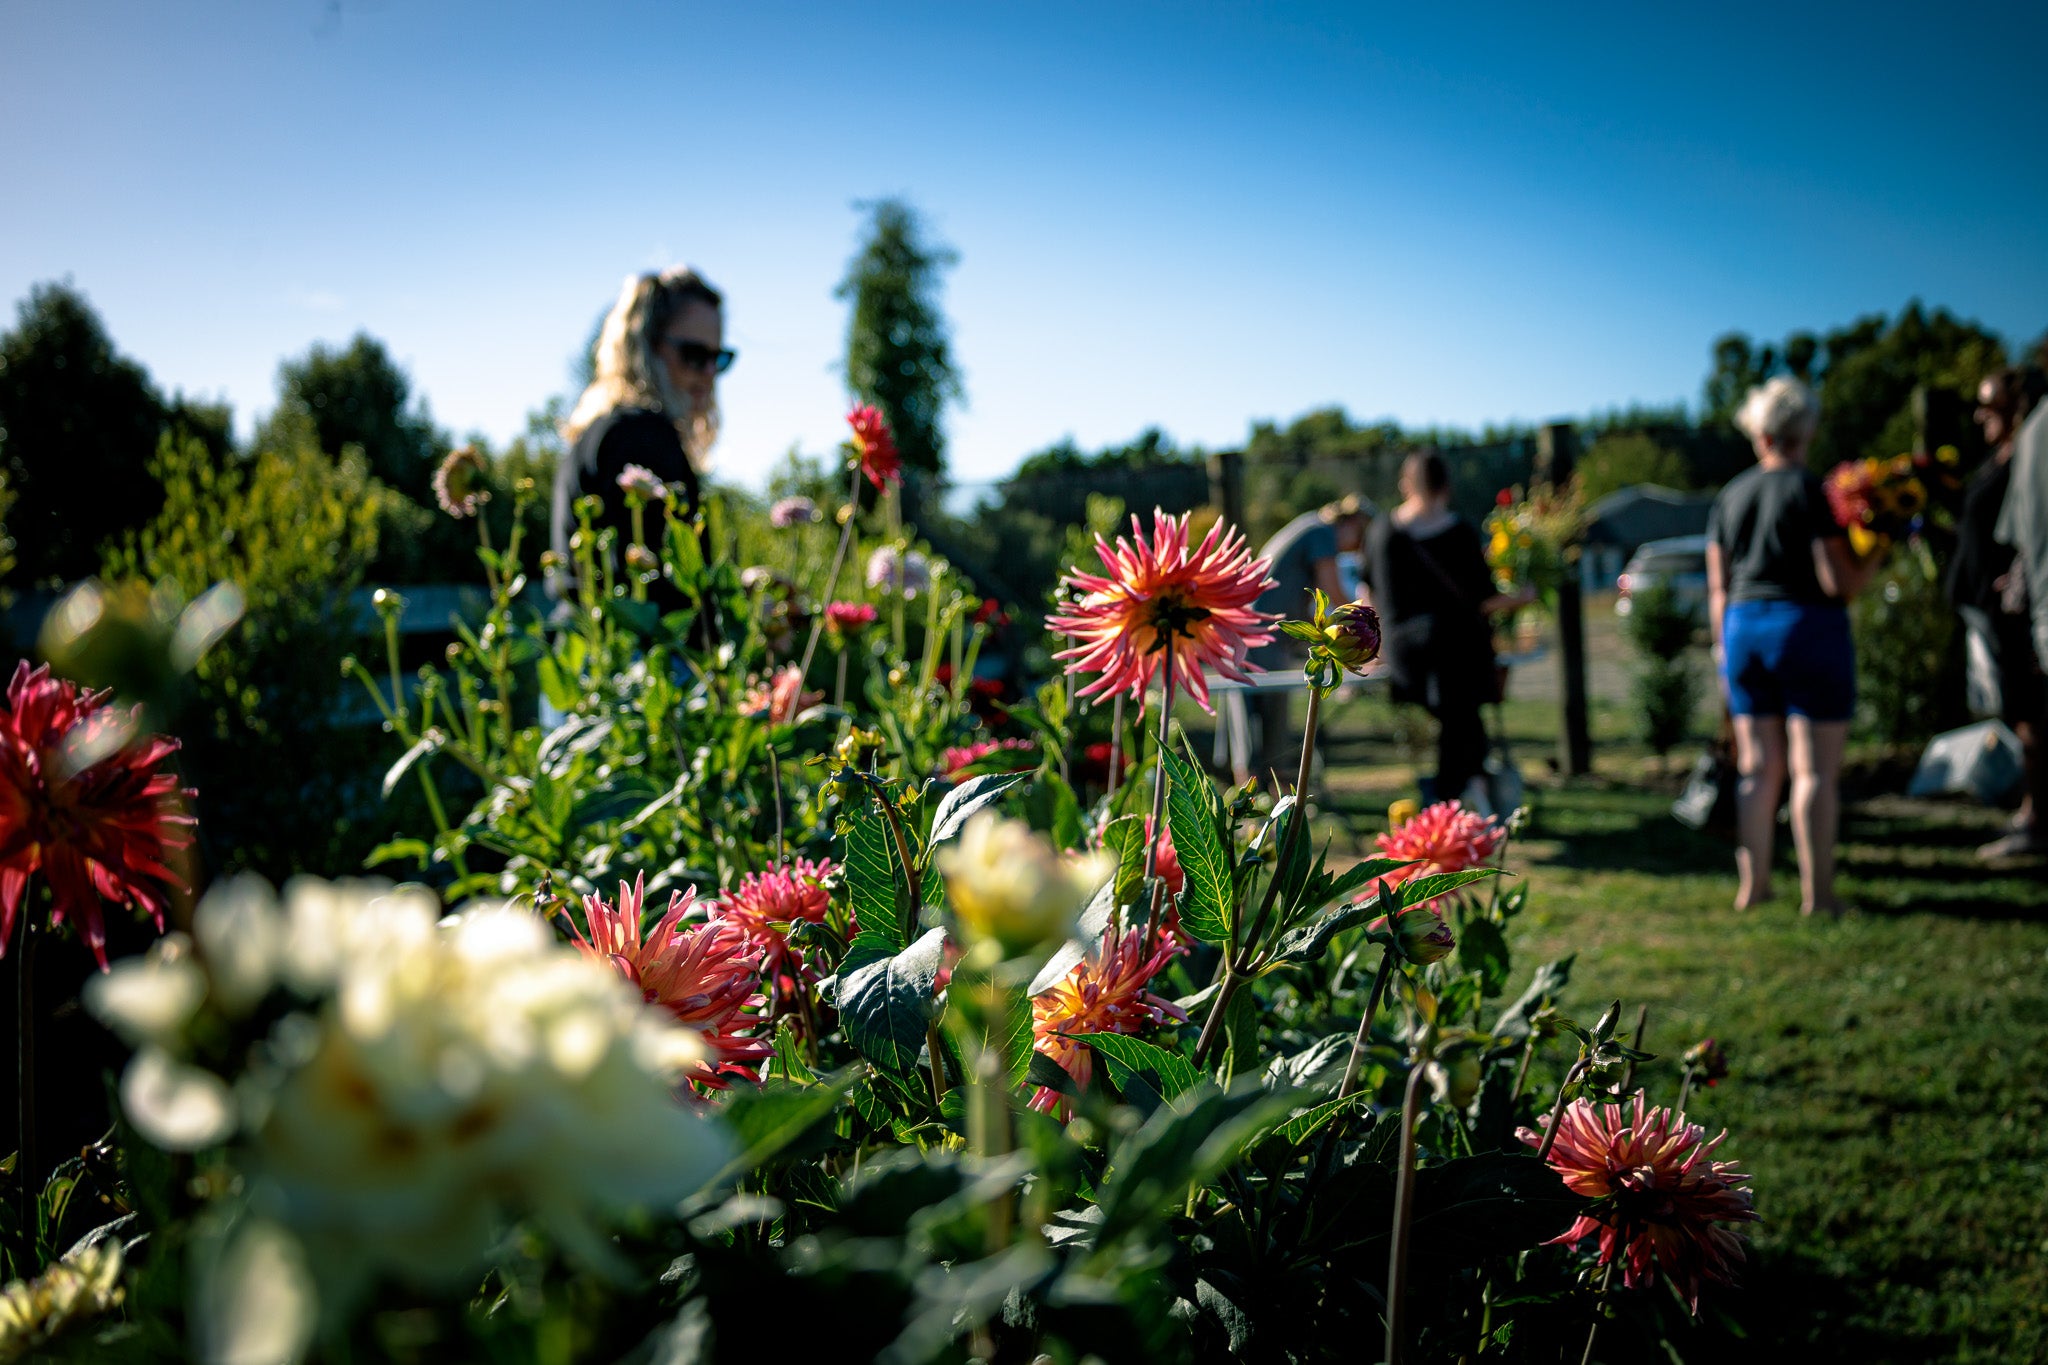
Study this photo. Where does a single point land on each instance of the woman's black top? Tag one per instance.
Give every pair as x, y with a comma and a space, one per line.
1979, 559
1428, 590
1765, 522
621, 437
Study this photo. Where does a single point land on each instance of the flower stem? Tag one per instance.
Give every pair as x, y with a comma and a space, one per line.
1593, 1332
25, 1166
1684, 1090
1359, 1039
1557, 1110
1158, 826
1116, 745
832, 576
1404, 1206
1292, 835
1628, 1073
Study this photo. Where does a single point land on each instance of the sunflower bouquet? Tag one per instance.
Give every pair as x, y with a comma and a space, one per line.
1878, 501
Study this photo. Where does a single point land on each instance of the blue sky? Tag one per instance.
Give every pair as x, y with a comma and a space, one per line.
1189, 215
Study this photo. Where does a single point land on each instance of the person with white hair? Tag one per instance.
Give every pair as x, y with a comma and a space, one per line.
652, 403
1780, 574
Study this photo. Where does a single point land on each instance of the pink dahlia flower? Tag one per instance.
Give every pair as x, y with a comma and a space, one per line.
796, 511
104, 831
637, 480
780, 698
987, 755
878, 458
767, 904
459, 485
1155, 591
706, 975
849, 618
1444, 837
1664, 1203
1104, 993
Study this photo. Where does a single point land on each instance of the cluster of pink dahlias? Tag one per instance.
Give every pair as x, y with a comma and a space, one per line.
768, 904
987, 755
1444, 837
1664, 1205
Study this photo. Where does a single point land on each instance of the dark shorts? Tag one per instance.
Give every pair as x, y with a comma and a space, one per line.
1788, 659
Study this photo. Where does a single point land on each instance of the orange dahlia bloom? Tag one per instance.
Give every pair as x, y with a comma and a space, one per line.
1104, 993
1444, 837
1664, 1203
1157, 591
101, 831
766, 904
706, 976
878, 457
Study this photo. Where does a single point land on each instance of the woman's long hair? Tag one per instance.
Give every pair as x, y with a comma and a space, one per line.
627, 371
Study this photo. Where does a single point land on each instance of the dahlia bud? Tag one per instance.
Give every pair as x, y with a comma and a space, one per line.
1352, 635
1402, 811
1007, 883
640, 559
1706, 1060
1420, 935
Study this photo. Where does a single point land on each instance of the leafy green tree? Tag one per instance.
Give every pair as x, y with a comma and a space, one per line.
1622, 459
898, 349
358, 396
78, 426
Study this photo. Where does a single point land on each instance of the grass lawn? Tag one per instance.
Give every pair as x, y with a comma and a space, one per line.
1890, 1070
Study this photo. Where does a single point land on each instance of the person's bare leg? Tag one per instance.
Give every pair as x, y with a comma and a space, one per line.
1760, 756
1816, 756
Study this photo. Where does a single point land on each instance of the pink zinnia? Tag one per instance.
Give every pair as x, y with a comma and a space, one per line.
849, 618
1665, 1205
1104, 993
1158, 594
1444, 837
954, 760
706, 976
766, 904
781, 698
101, 832
878, 458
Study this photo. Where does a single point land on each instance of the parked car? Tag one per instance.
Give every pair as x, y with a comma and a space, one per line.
1680, 561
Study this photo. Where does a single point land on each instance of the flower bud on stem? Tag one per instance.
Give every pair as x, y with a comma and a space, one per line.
832, 575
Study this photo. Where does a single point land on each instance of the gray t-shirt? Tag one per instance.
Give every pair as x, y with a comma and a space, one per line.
1295, 549
1765, 522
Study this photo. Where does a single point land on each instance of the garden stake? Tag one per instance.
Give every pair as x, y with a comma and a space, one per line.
1358, 1041
803, 669
1404, 1203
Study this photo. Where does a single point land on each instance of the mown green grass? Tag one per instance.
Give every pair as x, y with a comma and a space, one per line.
1890, 1070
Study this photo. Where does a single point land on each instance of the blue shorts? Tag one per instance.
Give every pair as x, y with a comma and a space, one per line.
1788, 659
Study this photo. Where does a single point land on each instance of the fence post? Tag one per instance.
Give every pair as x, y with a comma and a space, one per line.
1226, 486
1556, 454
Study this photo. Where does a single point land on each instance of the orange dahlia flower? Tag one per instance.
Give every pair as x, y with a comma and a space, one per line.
1157, 593
84, 808
1664, 1203
1104, 993
1444, 837
707, 976
878, 458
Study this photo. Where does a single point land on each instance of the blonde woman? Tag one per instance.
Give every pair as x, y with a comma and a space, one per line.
652, 401
1780, 574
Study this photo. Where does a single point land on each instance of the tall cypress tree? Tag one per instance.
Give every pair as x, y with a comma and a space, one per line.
898, 351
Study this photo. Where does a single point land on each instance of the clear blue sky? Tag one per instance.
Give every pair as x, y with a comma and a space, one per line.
1189, 215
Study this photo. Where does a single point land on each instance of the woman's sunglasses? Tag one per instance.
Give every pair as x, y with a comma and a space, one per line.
697, 356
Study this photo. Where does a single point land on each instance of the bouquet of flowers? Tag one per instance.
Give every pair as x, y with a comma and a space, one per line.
1878, 501
1531, 539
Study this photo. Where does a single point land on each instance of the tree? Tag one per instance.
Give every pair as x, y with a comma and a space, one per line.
1622, 459
898, 351
358, 396
78, 428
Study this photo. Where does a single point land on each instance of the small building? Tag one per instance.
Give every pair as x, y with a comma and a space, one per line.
1629, 517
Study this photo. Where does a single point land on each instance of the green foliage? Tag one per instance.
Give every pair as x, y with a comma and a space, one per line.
1667, 686
294, 531
358, 396
1622, 459
898, 351
78, 426
1902, 625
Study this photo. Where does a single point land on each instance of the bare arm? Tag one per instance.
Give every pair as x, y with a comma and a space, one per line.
1507, 601
1717, 593
1325, 572
1842, 572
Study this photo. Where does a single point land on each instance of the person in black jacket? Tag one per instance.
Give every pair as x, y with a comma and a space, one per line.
652, 402
1427, 577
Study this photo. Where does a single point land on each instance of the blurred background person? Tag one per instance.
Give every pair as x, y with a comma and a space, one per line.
1780, 574
1304, 555
1425, 572
2004, 679
652, 402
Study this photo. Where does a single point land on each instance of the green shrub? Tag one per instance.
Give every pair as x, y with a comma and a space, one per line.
1667, 687
1903, 626
294, 529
